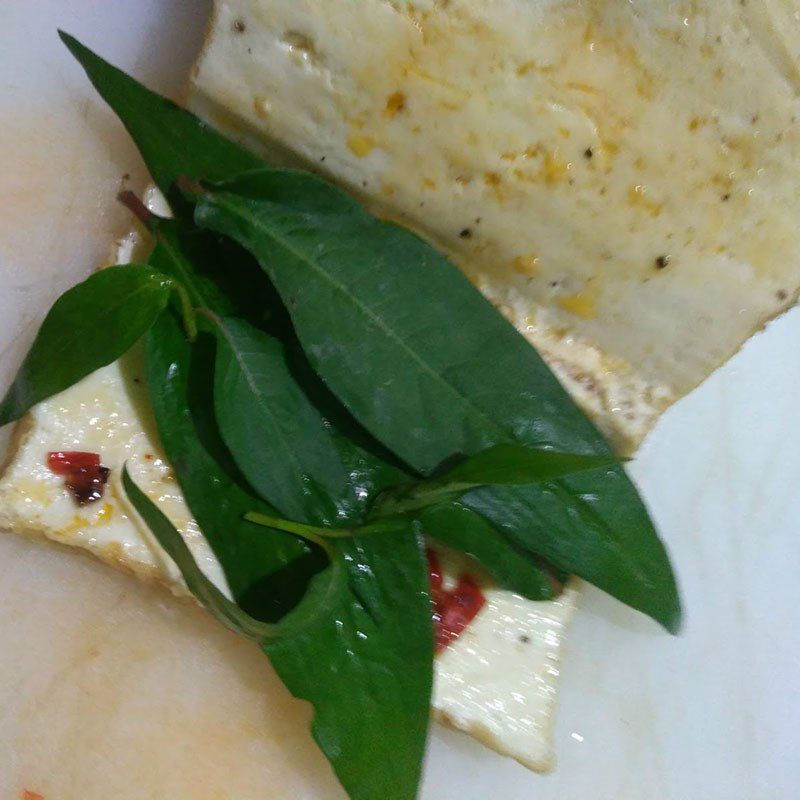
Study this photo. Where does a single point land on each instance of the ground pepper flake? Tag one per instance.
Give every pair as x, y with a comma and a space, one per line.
452, 610
84, 475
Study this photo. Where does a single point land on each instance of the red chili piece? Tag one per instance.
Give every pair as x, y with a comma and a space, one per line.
83, 474
452, 610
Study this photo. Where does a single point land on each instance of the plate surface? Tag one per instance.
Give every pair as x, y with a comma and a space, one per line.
714, 713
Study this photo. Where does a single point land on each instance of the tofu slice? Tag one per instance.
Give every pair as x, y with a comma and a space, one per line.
620, 178
502, 672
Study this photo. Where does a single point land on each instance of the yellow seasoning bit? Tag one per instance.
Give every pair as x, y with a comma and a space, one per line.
580, 304
395, 103
262, 107
360, 145
78, 523
527, 264
638, 198
555, 168
104, 515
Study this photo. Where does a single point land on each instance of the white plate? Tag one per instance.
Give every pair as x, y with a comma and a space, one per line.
714, 713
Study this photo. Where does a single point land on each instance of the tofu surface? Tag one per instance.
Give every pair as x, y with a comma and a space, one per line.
620, 178
502, 672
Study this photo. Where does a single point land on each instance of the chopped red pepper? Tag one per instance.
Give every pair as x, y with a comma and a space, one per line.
28, 795
452, 610
65, 462
83, 474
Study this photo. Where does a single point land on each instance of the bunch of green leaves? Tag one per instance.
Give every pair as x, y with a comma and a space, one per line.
330, 391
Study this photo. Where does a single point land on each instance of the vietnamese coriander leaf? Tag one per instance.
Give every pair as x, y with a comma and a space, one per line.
277, 437
369, 302
88, 327
215, 602
222, 278
463, 529
172, 141
368, 668
359, 647
377, 638
326, 593
267, 571
501, 464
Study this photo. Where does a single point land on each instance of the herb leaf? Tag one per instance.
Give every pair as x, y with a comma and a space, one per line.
277, 437
510, 464
324, 596
429, 395
513, 567
517, 465
223, 278
89, 326
591, 526
171, 141
368, 669
377, 638
266, 570
214, 601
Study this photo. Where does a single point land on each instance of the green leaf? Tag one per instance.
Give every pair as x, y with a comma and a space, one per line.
277, 437
378, 637
214, 601
368, 669
430, 395
217, 273
326, 594
387, 295
517, 465
223, 277
89, 326
266, 570
593, 522
509, 464
175, 143
511, 566
171, 141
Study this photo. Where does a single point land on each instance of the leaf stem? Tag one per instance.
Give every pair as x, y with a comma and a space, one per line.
316, 535
188, 312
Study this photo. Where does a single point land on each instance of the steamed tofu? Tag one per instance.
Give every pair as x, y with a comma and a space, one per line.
501, 672
619, 177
